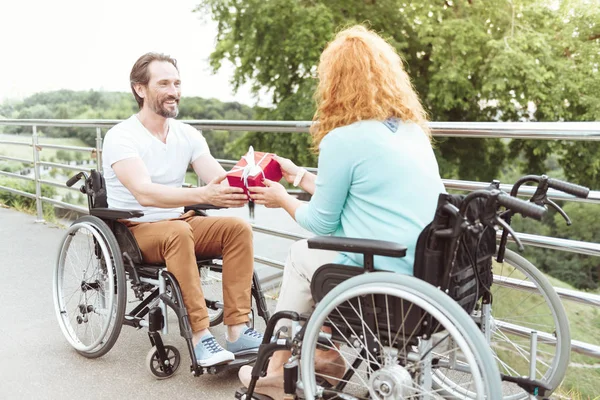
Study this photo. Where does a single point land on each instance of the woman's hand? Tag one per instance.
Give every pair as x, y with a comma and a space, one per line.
272, 195
288, 168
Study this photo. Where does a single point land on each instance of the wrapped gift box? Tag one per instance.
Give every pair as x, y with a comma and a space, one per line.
252, 169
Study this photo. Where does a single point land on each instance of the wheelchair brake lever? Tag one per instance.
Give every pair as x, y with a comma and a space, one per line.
507, 227
559, 210
281, 330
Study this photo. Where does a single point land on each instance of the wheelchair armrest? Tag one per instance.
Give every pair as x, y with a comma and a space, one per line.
352, 245
201, 207
115, 213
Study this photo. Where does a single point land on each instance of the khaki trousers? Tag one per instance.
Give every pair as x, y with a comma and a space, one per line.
300, 266
177, 242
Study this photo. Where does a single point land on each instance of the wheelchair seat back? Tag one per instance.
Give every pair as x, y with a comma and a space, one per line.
95, 188
458, 261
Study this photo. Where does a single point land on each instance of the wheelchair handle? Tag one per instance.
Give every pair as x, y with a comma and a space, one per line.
525, 208
74, 179
570, 188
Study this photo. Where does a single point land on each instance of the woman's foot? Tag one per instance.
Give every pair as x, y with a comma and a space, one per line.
270, 385
330, 365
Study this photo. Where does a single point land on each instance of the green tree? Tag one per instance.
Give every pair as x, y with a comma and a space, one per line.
469, 61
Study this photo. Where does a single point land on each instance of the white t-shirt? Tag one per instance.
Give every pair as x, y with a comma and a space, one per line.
166, 163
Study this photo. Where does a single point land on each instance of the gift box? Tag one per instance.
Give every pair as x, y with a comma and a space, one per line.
252, 169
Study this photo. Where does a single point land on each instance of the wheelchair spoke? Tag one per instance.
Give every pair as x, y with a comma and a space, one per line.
351, 346
85, 266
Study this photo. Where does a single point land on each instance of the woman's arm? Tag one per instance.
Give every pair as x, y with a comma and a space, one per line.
331, 186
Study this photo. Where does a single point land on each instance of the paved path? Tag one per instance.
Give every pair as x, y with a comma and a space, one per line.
38, 363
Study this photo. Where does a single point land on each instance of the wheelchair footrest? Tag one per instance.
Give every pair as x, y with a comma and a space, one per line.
531, 386
240, 361
241, 392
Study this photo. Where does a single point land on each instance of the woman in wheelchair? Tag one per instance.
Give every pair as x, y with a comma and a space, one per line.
375, 155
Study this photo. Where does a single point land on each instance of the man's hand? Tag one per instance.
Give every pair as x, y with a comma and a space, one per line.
272, 195
223, 195
288, 168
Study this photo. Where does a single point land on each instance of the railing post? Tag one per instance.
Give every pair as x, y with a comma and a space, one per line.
99, 149
36, 173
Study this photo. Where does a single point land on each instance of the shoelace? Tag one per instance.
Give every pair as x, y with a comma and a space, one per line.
212, 345
252, 333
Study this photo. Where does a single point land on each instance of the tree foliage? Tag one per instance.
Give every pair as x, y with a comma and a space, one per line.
67, 104
533, 60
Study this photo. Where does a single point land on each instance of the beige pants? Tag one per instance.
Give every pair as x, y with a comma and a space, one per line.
177, 242
300, 265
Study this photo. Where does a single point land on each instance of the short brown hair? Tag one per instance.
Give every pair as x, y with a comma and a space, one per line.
139, 72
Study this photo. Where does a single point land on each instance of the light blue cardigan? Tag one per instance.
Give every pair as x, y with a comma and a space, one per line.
376, 180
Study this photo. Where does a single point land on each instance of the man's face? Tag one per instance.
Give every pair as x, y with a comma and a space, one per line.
164, 89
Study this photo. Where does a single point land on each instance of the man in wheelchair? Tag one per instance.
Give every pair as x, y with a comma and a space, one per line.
145, 159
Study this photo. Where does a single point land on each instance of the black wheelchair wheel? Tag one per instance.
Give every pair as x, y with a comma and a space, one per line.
90, 287
157, 369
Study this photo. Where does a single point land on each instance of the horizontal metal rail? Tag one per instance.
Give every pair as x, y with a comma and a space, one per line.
18, 192
278, 233
65, 147
571, 246
16, 176
62, 204
59, 185
587, 131
589, 299
21, 160
64, 166
269, 262
577, 346
12, 142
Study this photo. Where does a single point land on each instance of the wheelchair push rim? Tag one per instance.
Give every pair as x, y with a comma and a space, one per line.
478, 362
93, 294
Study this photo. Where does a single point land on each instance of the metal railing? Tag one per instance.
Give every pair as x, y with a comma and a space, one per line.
584, 131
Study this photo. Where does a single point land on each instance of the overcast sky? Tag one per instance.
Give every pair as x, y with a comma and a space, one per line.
82, 45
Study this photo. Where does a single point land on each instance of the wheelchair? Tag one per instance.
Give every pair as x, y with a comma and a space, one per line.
432, 335
97, 258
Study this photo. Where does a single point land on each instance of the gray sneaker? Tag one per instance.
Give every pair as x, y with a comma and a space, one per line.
209, 352
248, 342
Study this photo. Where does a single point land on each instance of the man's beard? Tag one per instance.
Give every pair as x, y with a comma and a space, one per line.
158, 106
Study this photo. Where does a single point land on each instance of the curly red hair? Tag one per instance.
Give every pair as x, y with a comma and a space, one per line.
361, 77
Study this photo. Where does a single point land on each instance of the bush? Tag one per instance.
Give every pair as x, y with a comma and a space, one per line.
23, 203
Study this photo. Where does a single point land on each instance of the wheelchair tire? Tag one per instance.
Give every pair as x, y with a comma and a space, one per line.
389, 373
154, 366
516, 312
98, 287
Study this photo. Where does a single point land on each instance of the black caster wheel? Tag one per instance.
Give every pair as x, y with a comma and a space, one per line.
159, 371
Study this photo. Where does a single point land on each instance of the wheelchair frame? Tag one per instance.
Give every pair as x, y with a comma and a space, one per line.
155, 287
332, 277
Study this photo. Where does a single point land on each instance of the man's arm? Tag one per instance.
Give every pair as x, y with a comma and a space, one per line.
135, 177
207, 168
